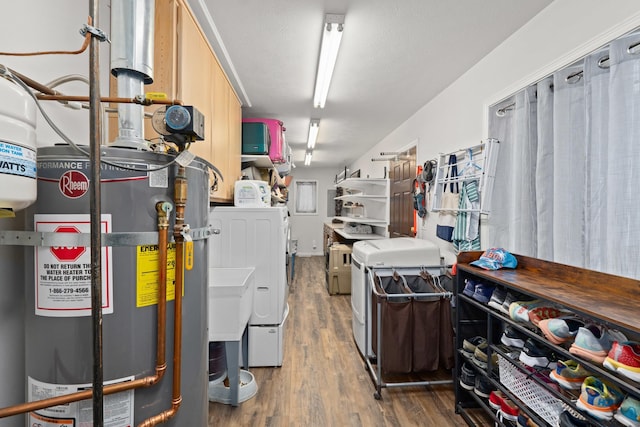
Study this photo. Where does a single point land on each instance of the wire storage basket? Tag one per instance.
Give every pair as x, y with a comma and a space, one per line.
529, 392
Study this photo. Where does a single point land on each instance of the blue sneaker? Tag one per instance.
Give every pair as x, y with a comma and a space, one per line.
629, 412
469, 288
599, 398
483, 293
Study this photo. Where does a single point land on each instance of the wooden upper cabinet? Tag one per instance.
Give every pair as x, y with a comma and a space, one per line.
186, 68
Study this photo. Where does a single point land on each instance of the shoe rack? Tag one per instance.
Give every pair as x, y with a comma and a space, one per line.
599, 298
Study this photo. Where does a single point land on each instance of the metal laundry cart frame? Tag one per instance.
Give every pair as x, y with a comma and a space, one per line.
376, 372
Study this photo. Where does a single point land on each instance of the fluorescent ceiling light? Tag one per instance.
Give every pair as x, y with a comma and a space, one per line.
307, 158
331, 36
314, 127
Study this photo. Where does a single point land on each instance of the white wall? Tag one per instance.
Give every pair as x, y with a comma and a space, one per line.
457, 118
308, 229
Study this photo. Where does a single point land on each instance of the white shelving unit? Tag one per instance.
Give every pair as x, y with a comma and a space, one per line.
262, 162
373, 195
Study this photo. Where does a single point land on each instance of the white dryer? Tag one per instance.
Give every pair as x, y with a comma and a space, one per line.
398, 252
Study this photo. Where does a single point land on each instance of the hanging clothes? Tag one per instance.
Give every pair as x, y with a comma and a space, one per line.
466, 233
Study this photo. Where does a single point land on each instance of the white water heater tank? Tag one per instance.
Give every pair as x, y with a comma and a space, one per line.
17, 148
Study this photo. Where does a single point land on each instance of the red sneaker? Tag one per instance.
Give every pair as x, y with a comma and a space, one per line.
624, 358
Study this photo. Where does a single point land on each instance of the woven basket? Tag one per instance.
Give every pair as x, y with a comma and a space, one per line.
529, 392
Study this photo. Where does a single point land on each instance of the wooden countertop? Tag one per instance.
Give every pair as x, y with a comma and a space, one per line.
613, 299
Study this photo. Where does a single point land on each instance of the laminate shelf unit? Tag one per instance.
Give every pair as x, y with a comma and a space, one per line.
600, 298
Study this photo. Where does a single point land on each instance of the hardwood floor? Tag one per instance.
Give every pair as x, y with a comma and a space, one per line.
322, 381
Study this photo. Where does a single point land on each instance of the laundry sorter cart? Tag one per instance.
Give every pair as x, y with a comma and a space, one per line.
412, 330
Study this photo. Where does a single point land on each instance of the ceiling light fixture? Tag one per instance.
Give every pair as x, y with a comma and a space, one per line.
307, 158
314, 128
331, 36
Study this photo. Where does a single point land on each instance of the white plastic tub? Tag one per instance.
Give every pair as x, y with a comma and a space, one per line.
230, 302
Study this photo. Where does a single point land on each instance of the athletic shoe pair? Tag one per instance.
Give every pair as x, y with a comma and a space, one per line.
624, 358
478, 291
594, 342
505, 406
599, 398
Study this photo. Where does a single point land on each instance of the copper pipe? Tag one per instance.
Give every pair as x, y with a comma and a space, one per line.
180, 200
161, 363
48, 94
84, 47
113, 99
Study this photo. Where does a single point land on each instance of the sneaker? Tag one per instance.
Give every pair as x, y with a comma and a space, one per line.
569, 374
480, 358
483, 293
541, 313
469, 288
599, 399
560, 330
512, 337
511, 297
469, 345
525, 421
592, 343
495, 399
629, 412
497, 298
509, 410
467, 377
567, 419
534, 355
483, 386
519, 310
624, 358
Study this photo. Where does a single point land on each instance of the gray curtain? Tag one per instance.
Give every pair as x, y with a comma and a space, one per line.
569, 163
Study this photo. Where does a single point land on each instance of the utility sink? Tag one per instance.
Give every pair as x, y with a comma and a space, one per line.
230, 302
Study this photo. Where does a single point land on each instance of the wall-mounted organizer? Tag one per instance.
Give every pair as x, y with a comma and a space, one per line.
596, 300
365, 208
473, 163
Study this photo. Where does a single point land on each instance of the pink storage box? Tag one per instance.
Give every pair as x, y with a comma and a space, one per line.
276, 131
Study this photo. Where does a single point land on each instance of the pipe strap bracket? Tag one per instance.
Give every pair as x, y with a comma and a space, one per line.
48, 239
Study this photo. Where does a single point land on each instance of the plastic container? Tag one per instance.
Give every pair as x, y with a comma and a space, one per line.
255, 138
218, 392
17, 148
276, 133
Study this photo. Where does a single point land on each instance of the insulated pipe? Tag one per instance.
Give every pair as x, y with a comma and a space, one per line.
180, 200
95, 209
163, 209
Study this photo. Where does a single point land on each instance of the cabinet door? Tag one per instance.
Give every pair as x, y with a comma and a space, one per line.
194, 78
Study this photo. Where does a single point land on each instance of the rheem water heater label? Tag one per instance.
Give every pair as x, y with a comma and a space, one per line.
63, 273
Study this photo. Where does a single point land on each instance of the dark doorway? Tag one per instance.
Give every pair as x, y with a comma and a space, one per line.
401, 174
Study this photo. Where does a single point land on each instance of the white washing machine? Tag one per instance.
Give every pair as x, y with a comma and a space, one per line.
257, 237
398, 252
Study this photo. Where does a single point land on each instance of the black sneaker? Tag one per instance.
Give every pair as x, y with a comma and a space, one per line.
483, 386
512, 337
534, 355
568, 420
467, 377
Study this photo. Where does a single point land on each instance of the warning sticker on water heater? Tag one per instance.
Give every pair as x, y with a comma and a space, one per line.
63, 273
118, 408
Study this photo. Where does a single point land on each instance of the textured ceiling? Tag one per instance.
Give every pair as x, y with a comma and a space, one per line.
396, 55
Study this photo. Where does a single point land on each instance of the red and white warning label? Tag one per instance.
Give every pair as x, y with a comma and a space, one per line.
63, 273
